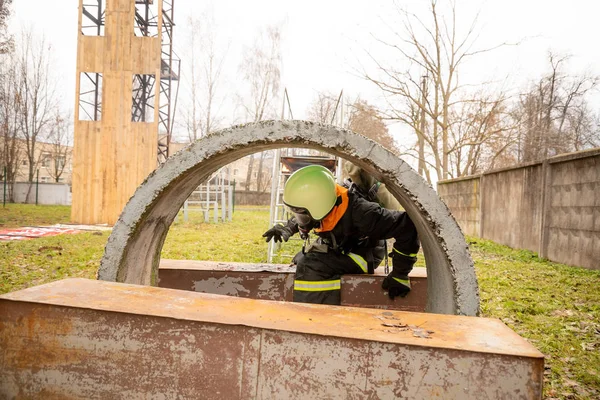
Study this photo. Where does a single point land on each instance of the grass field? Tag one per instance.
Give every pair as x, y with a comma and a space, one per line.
555, 307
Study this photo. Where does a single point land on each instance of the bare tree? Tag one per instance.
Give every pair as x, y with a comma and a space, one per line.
265, 181
11, 150
202, 115
553, 114
36, 100
6, 39
481, 134
584, 127
59, 141
323, 108
261, 68
364, 119
426, 86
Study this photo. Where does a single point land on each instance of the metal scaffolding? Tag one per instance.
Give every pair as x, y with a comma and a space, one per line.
146, 24
90, 90
142, 109
92, 23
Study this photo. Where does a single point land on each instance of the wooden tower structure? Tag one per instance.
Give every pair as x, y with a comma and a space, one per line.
126, 70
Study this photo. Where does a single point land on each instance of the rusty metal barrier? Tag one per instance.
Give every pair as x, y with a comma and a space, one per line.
88, 339
276, 282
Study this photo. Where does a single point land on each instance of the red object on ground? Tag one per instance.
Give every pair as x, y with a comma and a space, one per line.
29, 232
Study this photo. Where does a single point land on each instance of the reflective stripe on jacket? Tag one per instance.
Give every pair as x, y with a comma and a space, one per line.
317, 286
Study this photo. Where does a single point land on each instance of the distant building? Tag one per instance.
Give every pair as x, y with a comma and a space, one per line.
53, 163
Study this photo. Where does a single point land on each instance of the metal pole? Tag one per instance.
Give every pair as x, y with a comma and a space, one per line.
274, 199
233, 198
37, 185
230, 196
227, 190
338, 168
222, 193
421, 134
4, 191
206, 217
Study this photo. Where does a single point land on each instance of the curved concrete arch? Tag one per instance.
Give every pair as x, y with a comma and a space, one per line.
132, 253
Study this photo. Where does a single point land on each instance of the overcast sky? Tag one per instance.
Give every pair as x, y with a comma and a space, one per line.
324, 41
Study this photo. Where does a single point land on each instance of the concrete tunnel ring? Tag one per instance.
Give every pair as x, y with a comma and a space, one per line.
132, 253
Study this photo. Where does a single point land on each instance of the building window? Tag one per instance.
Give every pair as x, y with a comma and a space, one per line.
236, 172
46, 160
44, 179
24, 162
60, 162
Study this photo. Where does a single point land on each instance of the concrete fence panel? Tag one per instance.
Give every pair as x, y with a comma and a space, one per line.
512, 206
252, 198
550, 207
572, 229
47, 193
462, 197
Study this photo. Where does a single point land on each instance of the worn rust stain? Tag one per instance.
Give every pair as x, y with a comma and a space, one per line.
275, 282
89, 339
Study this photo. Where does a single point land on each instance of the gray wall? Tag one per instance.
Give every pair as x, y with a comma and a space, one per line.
512, 205
551, 207
253, 198
462, 197
48, 193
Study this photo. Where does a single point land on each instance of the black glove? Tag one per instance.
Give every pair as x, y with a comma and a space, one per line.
397, 282
278, 233
396, 285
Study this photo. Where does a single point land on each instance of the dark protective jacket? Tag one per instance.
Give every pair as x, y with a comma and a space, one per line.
360, 226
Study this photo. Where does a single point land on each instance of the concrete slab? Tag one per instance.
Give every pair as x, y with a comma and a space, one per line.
89, 339
276, 282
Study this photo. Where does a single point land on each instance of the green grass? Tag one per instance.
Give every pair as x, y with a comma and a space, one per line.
555, 307
33, 262
17, 215
238, 240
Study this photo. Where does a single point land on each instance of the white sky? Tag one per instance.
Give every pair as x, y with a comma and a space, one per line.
323, 39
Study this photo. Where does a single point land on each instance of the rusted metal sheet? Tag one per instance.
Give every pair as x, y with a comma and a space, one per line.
255, 281
276, 282
365, 291
90, 339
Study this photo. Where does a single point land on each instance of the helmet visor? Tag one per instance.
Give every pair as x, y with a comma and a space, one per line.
304, 220
301, 214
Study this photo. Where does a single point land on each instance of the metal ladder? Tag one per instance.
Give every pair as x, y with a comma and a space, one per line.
278, 213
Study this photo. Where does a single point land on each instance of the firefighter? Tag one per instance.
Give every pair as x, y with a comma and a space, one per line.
374, 190
349, 230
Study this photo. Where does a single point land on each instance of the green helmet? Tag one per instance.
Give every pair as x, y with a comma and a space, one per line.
311, 188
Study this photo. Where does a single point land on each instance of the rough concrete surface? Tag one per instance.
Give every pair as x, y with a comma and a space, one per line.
132, 253
552, 207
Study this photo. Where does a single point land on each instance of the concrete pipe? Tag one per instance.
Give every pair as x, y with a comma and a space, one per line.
133, 250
